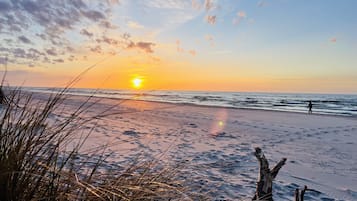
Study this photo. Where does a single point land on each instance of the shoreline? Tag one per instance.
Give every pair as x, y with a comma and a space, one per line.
213, 106
199, 91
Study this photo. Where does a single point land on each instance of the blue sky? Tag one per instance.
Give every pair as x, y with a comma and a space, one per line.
242, 45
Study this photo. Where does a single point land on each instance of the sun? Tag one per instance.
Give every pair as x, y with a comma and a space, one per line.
137, 82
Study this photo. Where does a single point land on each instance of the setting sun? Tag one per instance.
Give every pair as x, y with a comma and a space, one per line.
137, 82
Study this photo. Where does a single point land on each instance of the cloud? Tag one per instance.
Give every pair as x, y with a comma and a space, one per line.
261, 3
58, 60
55, 19
144, 46
168, 4
175, 12
27, 56
241, 15
85, 32
181, 50
71, 58
24, 39
113, 2
221, 52
126, 36
211, 19
93, 15
4, 6
134, 25
107, 24
14, 72
3, 60
96, 49
51, 52
208, 4
210, 39
108, 40
193, 52
178, 46
195, 4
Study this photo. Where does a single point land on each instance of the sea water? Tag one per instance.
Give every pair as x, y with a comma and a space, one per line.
335, 104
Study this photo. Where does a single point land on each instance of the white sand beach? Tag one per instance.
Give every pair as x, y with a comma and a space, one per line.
215, 145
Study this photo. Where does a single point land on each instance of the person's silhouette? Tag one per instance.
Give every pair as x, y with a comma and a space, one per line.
2, 96
310, 107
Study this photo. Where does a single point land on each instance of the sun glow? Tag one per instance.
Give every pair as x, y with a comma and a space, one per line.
137, 82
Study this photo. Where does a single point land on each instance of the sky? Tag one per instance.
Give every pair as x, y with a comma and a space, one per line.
201, 45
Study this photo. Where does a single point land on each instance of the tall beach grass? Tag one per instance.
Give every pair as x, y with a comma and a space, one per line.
39, 158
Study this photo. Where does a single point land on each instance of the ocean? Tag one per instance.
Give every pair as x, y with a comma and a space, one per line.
334, 104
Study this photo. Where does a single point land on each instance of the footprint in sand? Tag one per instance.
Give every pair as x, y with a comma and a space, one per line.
130, 133
192, 125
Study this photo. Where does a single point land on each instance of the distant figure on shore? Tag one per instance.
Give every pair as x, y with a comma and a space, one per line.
2, 96
310, 107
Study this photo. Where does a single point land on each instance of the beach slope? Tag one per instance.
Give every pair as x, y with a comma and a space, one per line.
216, 144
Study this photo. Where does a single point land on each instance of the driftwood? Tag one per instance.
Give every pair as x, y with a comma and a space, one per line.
266, 176
299, 195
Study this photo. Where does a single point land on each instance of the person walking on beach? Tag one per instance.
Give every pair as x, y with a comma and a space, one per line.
310, 107
2, 96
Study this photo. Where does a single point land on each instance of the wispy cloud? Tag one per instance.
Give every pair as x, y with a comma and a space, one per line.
211, 19
58, 60
86, 33
193, 52
108, 40
52, 52
168, 4
208, 4
182, 50
178, 46
96, 49
144, 46
24, 39
241, 15
195, 4
210, 39
333, 40
134, 25
221, 52
209, 7
261, 3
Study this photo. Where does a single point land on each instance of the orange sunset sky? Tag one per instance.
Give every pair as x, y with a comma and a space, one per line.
205, 45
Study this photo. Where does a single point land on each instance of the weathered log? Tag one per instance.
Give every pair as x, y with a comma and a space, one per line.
266, 176
299, 196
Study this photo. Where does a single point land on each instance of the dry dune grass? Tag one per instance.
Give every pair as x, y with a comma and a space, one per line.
34, 166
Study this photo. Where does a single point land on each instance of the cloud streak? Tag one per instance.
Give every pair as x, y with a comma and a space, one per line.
24, 39
241, 15
211, 19
134, 25
143, 46
333, 40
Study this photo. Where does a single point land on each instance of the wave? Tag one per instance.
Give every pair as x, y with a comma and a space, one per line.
345, 105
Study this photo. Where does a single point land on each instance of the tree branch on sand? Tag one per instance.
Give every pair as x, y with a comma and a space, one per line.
266, 176
299, 195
